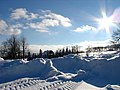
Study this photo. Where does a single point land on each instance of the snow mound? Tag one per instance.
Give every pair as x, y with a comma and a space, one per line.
69, 63
85, 86
98, 71
19, 69
1, 59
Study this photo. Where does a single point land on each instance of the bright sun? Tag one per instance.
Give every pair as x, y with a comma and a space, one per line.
105, 22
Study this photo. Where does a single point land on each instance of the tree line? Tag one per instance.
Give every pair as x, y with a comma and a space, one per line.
14, 48
53, 54
17, 48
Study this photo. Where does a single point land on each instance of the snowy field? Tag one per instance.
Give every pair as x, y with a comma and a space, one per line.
71, 72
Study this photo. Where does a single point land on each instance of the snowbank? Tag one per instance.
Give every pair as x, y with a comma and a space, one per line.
1, 59
69, 63
85, 86
35, 68
99, 71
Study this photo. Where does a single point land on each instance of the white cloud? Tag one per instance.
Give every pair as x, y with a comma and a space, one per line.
3, 25
23, 13
50, 19
45, 20
85, 28
63, 21
49, 22
38, 27
44, 24
19, 13
33, 16
6, 29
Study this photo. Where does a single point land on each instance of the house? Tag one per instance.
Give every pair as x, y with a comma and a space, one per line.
48, 54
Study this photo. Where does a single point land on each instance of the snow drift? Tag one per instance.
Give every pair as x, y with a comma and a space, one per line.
1, 59
98, 71
11, 70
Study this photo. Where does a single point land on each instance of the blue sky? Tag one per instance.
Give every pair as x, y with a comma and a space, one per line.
55, 22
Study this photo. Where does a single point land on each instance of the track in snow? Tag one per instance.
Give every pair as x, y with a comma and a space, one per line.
36, 84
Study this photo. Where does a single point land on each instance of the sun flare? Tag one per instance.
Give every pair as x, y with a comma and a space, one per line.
105, 22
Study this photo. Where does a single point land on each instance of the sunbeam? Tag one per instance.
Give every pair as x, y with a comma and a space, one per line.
105, 22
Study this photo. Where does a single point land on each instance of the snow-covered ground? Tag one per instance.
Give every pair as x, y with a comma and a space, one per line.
37, 84
71, 72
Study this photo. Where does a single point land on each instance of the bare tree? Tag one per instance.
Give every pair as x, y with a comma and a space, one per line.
88, 51
11, 47
75, 49
116, 36
24, 45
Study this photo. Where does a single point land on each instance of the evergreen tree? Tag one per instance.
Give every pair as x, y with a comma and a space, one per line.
40, 53
67, 51
56, 53
63, 52
29, 56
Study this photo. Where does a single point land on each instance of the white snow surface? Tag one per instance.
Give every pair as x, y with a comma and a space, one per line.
37, 84
1, 59
71, 72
